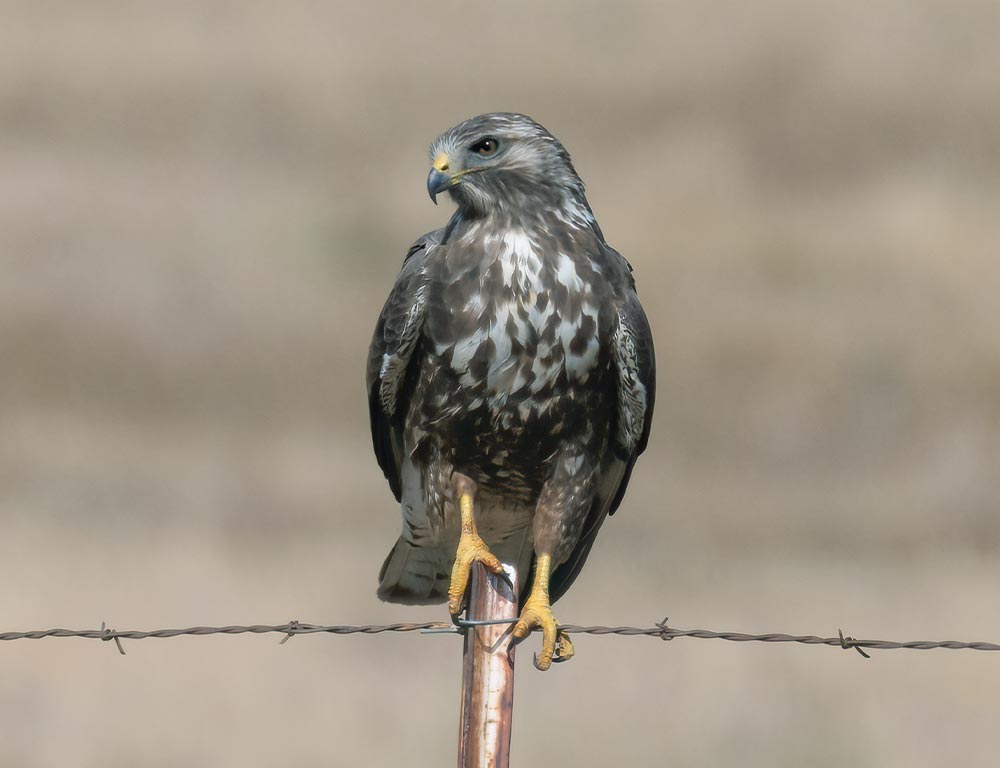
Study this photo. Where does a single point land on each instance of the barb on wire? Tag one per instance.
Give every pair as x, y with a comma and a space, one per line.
111, 634
659, 630
293, 626
850, 642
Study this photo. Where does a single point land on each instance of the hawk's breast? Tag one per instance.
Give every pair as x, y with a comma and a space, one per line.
527, 325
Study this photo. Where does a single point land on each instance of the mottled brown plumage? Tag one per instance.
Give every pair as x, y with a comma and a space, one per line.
512, 351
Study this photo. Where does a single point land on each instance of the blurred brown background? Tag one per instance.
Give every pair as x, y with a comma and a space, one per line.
202, 208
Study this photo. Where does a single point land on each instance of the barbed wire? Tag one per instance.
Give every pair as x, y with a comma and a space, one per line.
659, 630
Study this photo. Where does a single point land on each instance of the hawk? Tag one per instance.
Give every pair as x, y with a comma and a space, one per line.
511, 377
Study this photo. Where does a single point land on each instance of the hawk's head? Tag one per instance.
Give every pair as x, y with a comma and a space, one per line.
504, 161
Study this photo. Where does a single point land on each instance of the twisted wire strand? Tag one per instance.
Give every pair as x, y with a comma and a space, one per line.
659, 630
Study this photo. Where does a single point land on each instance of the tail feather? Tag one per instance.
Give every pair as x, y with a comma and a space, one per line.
415, 575
516, 550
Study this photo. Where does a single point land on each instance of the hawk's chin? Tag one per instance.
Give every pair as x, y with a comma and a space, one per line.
437, 182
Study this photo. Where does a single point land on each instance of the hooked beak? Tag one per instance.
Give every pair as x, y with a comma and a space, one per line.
438, 179
437, 182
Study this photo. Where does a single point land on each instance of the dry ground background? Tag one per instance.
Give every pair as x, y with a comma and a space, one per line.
202, 207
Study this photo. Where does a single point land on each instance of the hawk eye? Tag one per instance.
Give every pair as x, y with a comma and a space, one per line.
486, 147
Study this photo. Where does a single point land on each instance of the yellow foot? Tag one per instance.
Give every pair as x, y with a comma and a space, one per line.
556, 645
471, 549
537, 612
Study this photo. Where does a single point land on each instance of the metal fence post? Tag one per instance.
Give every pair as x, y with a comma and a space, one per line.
488, 673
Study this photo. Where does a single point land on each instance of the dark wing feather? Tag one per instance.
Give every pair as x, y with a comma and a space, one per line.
392, 357
635, 362
635, 393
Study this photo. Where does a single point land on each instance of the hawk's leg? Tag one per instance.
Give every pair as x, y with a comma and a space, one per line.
537, 612
471, 548
562, 509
